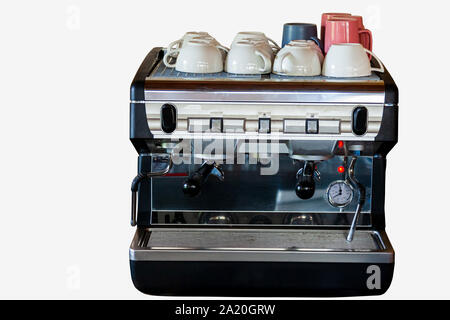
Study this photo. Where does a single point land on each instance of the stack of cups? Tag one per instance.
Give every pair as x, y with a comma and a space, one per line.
300, 31
196, 52
251, 53
344, 28
347, 45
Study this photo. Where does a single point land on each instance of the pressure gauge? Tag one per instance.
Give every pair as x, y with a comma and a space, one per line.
340, 194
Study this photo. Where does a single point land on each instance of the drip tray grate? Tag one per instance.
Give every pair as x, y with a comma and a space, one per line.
256, 240
162, 72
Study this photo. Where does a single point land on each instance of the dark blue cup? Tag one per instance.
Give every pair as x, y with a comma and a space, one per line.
300, 31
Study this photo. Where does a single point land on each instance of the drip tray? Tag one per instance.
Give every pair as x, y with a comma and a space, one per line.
263, 240
260, 245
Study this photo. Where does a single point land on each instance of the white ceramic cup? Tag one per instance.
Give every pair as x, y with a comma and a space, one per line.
188, 36
248, 58
299, 59
256, 35
263, 45
197, 56
310, 43
214, 42
346, 60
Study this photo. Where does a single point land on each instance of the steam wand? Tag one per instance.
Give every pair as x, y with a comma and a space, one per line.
135, 187
362, 198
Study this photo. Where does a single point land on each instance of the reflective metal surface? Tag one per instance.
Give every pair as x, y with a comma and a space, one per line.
246, 190
268, 96
260, 245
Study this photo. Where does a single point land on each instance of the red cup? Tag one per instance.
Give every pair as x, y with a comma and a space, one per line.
325, 18
346, 30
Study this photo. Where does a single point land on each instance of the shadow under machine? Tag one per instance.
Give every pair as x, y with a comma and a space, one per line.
260, 185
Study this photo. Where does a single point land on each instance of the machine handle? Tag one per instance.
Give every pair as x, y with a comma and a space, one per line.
135, 187
305, 188
193, 185
306, 176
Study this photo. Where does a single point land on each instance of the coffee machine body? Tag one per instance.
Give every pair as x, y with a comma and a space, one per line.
260, 186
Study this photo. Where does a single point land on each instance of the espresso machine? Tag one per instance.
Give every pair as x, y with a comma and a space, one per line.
260, 185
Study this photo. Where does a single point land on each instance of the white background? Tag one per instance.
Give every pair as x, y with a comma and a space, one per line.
66, 162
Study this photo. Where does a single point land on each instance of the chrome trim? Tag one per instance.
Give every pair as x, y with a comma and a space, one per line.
324, 96
274, 136
134, 193
138, 252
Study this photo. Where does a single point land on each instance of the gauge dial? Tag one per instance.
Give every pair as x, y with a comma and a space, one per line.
340, 194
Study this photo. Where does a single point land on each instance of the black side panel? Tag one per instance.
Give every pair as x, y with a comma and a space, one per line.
378, 185
258, 279
144, 192
391, 89
139, 130
391, 97
388, 133
150, 61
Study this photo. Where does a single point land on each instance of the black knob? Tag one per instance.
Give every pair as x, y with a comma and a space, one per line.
359, 121
192, 186
305, 188
168, 118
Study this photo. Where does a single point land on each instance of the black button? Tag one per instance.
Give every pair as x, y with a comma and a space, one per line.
168, 118
216, 125
359, 121
264, 125
312, 126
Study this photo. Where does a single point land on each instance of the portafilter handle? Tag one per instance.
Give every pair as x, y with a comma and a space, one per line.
193, 185
135, 187
306, 176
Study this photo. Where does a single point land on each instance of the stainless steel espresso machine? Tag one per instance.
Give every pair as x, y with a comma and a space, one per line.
260, 185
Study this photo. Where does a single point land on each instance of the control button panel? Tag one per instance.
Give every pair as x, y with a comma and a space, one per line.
288, 122
359, 121
312, 126
329, 127
198, 125
264, 125
216, 125
233, 125
168, 118
294, 126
